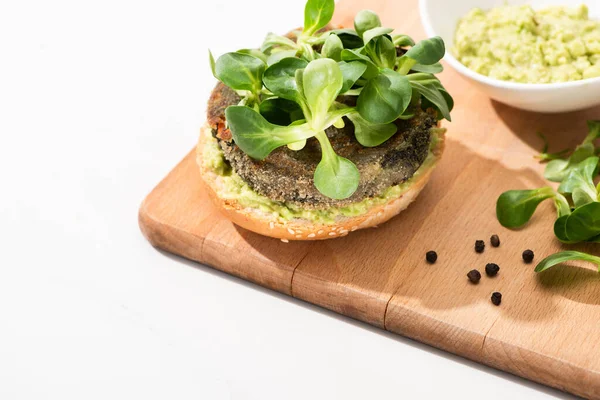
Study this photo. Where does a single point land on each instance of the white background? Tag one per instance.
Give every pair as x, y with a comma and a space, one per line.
98, 101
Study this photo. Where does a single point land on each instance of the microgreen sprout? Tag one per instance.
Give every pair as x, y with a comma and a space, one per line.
289, 89
577, 199
563, 256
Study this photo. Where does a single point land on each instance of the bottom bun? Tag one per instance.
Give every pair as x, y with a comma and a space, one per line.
274, 225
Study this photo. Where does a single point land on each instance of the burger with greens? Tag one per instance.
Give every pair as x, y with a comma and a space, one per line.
323, 131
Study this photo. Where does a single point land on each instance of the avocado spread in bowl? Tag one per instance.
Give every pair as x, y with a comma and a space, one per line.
519, 44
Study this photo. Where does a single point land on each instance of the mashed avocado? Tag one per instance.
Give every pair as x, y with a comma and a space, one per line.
233, 187
520, 44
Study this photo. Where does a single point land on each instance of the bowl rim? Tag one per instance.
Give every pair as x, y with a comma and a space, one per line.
461, 68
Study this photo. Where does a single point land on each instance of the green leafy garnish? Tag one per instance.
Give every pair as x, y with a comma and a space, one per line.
559, 168
583, 223
351, 72
334, 168
426, 52
580, 182
240, 71
256, 136
322, 81
371, 135
384, 98
375, 33
273, 40
563, 256
516, 207
280, 78
402, 40
560, 230
290, 86
355, 55
432, 90
317, 14
577, 200
212, 62
435, 68
366, 20
332, 48
382, 51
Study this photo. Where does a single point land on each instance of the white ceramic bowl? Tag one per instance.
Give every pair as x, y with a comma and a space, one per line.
440, 18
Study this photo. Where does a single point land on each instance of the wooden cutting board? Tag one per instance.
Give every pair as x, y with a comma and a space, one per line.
547, 328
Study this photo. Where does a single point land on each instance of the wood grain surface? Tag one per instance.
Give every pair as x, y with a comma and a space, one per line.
548, 326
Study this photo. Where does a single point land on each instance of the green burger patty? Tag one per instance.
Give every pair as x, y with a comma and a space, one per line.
286, 176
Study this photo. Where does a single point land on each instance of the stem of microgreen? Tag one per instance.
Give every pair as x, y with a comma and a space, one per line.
307, 51
327, 151
406, 66
353, 92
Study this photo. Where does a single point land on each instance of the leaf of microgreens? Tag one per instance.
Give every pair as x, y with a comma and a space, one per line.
273, 40
355, 55
349, 38
384, 98
375, 33
332, 48
402, 40
428, 51
516, 207
351, 71
582, 197
582, 172
564, 256
240, 71
278, 55
301, 97
366, 20
560, 230
580, 182
336, 177
430, 87
317, 14
255, 53
322, 81
211, 60
280, 78
368, 134
257, 137
557, 170
430, 69
382, 51
562, 205
448, 98
584, 223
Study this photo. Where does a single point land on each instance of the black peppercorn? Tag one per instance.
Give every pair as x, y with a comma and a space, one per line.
496, 298
491, 269
495, 240
479, 246
528, 256
474, 276
431, 257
